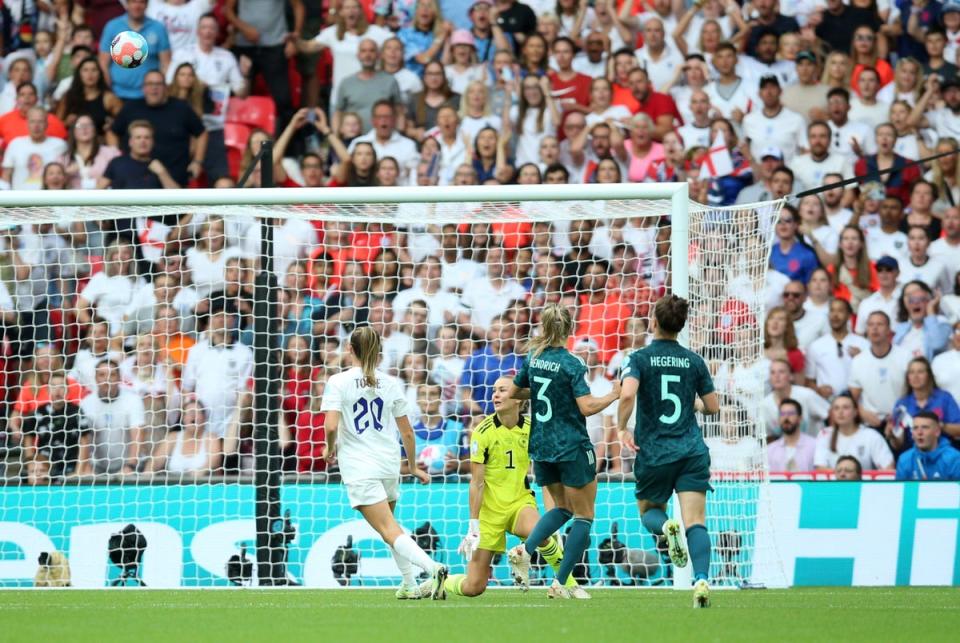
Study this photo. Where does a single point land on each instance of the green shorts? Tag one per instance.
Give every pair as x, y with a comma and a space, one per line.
575, 473
657, 483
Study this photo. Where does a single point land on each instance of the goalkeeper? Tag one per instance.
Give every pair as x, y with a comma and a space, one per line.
500, 497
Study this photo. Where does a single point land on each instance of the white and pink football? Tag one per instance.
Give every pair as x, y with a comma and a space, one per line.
129, 49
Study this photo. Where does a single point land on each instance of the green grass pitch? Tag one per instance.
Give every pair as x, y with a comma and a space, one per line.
810, 614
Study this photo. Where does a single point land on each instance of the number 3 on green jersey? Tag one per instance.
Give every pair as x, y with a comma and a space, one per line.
544, 383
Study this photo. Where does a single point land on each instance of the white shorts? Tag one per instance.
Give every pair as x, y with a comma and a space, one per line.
369, 492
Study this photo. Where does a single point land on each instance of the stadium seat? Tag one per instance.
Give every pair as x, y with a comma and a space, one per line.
254, 111
235, 137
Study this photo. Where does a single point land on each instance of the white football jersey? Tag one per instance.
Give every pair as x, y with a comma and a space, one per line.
368, 443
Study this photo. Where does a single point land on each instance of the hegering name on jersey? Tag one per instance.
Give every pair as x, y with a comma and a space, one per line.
544, 364
669, 360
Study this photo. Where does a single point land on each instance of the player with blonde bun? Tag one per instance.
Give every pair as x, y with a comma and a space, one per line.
366, 420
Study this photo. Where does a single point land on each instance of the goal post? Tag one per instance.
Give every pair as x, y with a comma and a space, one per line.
553, 243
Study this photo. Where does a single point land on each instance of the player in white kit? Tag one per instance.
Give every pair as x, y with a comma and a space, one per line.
365, 410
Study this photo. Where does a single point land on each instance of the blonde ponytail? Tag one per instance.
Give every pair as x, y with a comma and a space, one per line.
365, 343
556, 324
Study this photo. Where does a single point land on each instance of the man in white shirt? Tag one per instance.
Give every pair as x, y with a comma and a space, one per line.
444, 307
815, 407
592, 61
946, 365
774, 125
808, 326
215, 66
656, 56
947, 247
866, 108
877, 374
218, 370
387, 141
920, 266
830, 356
487, 297
886, 239
837, 215
729, 94
810, 169
26, 156
696, 133
886, 299
181, 18
601, 427
945, 121
850, 139
116, 417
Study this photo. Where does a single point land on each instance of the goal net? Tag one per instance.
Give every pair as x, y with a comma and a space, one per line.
164, 370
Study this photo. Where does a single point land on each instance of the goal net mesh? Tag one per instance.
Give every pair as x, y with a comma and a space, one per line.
129, 439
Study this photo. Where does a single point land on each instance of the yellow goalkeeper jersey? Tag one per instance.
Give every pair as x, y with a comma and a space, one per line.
503, 449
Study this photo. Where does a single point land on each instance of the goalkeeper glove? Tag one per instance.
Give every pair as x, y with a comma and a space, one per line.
469, 543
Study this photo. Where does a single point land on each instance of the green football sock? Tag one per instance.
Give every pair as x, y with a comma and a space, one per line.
698, 542
577, 542
454, 584
653, 519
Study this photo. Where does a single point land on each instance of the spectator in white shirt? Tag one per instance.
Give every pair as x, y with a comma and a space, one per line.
850, 139
116, 417
920, 266
592, 61
946, 365
657, 56
886, 239
444, 307
847, 436
489, 296
866, 108
877, 375
181, 18
215, 66
783, 388
114, 291
207, 260
26, 156
829, 358
773, 124
945, 121
602, 427
387, 141
886, 298
808, 325
813, 168
218, 370
947, 247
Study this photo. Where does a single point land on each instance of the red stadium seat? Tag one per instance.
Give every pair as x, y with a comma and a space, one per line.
235, 137
255, 111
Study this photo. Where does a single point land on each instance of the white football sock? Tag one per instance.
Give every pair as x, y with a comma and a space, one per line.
406, 569
405, 547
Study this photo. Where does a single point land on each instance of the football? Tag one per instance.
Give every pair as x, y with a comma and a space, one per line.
129, 49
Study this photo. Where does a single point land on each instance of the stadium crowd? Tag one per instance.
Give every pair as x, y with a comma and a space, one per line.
127, 343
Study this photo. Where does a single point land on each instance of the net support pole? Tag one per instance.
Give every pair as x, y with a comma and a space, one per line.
680, 286
680, 247
269, 525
